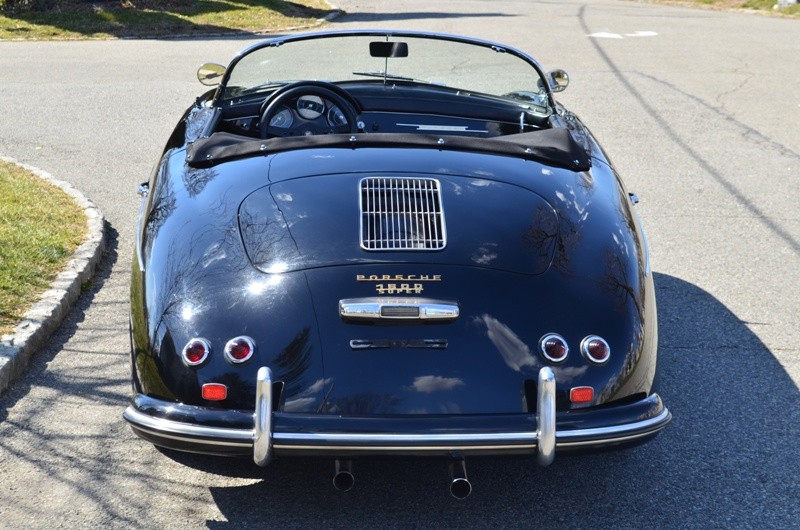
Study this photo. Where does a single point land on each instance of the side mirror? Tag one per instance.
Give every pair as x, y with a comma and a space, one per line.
210, 74
558, 80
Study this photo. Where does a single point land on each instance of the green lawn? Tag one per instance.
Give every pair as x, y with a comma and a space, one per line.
40, 228
80, 19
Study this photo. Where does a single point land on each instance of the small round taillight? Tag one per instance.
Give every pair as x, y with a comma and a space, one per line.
240, 349
595, 349
553, 347
196, 351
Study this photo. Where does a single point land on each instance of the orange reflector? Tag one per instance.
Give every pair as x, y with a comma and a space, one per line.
215, 392
581, 394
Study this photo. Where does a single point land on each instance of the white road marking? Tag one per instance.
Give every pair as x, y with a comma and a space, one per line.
608, 35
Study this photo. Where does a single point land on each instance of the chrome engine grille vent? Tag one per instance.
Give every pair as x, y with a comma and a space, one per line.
401, 214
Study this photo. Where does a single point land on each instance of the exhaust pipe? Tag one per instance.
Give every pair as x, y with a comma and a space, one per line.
343, 478
460, 487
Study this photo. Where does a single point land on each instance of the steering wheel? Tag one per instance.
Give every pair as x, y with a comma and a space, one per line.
326, 91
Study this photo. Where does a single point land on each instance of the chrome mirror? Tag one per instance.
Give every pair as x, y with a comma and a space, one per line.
558, 80
210, 74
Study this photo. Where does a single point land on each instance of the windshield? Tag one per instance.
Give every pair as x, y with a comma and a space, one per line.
409, 58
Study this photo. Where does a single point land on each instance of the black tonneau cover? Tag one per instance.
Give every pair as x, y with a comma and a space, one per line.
555, 147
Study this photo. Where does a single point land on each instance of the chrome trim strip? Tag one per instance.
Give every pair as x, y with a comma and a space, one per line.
616, 431
619, 439
294, 441
442, 128
381, 309
398, 438
144, 192
644, 236
523, 439
406, 449
222, 443
367, 344
546, 417
190, 432
262, 418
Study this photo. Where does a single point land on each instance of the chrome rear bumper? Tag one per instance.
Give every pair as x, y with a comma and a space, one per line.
266, 434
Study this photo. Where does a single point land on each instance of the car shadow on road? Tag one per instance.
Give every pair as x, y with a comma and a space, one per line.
411, 15
729, 458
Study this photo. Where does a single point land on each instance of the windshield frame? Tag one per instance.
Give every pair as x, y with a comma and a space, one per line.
543, 85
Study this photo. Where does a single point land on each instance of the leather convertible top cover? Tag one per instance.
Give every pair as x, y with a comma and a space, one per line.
554, 147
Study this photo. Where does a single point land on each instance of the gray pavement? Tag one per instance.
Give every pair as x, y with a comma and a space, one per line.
698, 110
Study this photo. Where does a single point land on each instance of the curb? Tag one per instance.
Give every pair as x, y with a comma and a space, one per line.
39, 323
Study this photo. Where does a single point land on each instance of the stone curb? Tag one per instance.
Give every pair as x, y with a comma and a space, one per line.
45, 316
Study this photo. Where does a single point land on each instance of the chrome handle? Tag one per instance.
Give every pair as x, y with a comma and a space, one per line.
397, 309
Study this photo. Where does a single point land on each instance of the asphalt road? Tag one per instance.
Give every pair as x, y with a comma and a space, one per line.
698, 109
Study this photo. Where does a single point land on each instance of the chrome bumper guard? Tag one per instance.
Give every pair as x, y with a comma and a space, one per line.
262, 431
264, 441
545, 435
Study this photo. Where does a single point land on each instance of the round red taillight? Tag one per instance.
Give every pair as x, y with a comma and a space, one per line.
196, 351
595, 349
553, 347
240, 349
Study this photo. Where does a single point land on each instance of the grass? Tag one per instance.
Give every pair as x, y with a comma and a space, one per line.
79, 19
40, 228
768, 5
104, 19
765, 6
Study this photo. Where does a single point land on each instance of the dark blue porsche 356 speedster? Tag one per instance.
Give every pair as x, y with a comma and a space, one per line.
389, 243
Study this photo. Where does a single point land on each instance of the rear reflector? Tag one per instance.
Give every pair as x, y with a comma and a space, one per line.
214, 392
581, 394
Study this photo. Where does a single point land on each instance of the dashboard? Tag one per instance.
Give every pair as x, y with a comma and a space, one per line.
389, 110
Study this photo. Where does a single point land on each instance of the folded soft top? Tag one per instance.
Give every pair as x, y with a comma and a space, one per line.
554, 147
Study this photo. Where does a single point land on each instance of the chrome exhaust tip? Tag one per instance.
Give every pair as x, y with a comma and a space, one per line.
460, 487
343, 478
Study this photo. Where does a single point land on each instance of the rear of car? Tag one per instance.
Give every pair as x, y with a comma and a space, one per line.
477, 286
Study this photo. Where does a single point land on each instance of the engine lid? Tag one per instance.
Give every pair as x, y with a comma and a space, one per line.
343, 219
